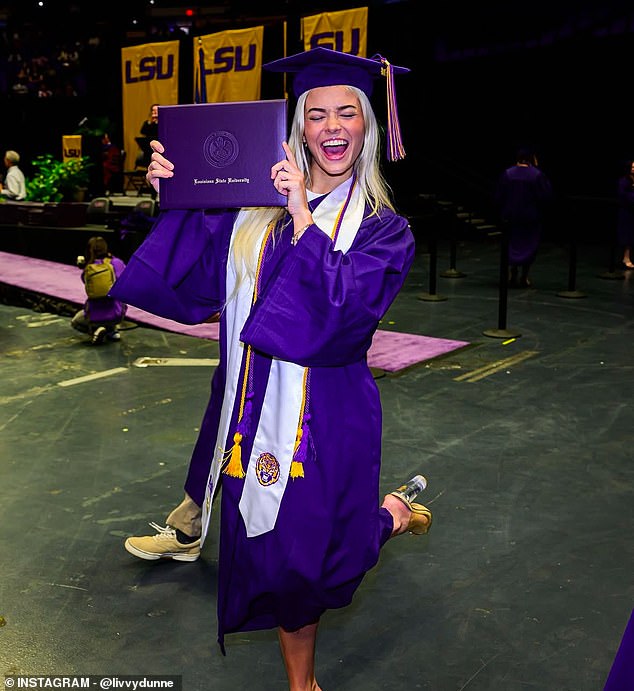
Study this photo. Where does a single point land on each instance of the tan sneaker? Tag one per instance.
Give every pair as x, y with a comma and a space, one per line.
163, 545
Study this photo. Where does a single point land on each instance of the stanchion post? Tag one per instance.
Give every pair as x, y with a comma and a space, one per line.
572, 291
502, 331
452, 271
432, 295
612, 273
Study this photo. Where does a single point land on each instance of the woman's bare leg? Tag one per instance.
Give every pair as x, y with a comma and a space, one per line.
298, 651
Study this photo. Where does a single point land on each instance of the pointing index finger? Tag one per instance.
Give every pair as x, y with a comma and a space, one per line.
289, 154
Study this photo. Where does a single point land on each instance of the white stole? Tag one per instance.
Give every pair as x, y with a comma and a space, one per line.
269, 464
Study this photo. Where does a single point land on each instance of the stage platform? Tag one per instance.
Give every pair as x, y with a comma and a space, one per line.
59, 232
524, 582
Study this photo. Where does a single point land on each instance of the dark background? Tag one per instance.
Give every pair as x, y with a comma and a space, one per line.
485, 79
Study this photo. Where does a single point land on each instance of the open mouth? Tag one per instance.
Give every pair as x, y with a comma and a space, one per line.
334, 148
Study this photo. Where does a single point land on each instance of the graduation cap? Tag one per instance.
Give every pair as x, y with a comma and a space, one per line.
326, 67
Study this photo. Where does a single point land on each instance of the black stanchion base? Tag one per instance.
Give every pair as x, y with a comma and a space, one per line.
452, 273
429, 297
571, 294
501, 333
613, 275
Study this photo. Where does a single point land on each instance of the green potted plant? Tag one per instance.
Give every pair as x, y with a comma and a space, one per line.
56, 181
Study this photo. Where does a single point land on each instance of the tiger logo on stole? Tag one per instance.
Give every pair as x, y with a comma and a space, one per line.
267, 469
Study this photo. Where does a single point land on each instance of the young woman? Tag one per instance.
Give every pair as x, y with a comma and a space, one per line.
101, 315
294, 416
625, 218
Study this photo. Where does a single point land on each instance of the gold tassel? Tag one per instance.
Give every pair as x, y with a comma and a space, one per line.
234, 467
297, 467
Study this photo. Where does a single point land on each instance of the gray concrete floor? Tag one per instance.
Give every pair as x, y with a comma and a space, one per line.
524, 582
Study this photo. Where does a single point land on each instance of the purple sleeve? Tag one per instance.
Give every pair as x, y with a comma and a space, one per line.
321, 307
179, 270
118, 265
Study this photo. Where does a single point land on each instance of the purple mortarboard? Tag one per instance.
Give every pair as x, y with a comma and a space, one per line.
326, 67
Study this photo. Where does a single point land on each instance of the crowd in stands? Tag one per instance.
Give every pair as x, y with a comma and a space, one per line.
41, 69
68, 57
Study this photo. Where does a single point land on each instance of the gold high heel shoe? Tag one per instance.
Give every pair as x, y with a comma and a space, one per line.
420, 517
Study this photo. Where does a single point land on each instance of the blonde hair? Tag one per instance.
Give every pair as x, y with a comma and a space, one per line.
372, 184
254, 221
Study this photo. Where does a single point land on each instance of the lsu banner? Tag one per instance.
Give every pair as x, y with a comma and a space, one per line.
71, 146
345, 31
149, 75
228, 66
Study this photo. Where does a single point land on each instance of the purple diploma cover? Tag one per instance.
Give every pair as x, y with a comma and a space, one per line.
222, 154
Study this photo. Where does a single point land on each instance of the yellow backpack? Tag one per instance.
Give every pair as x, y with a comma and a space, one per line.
99, 278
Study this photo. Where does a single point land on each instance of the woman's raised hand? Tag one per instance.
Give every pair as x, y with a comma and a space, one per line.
289, 180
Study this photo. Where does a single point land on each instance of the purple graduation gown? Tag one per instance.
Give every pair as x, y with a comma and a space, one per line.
521, 195
318, 308
106, 310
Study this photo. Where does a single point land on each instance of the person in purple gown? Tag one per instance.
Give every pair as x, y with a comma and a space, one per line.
625, 214
100, 317
522, 194
292, 431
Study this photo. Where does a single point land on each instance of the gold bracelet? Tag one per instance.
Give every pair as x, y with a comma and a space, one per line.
299, 233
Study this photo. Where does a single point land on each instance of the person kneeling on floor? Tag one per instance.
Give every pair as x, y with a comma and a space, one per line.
101, 314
